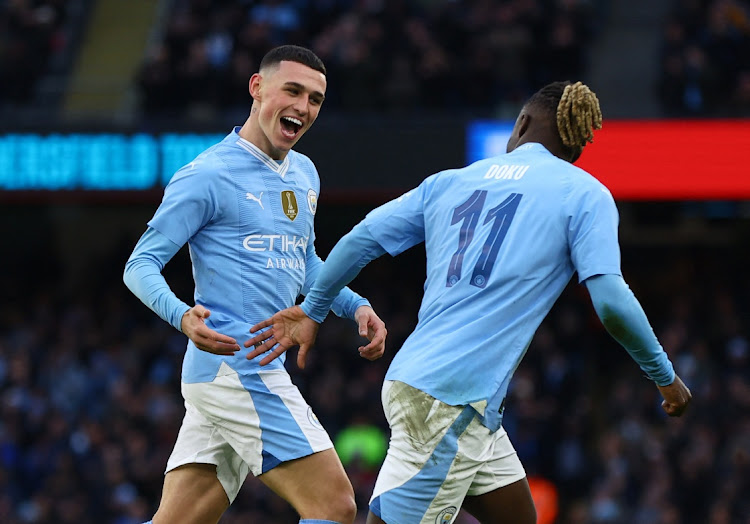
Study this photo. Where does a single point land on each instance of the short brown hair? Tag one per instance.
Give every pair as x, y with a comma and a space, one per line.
293, 53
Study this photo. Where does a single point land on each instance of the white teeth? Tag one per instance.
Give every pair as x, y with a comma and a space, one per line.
293, 120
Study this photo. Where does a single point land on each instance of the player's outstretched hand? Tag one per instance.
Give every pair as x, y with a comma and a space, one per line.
194, 326
286, 329
372, 328
676, 397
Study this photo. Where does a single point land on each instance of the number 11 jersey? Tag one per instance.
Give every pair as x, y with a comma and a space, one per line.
503, 237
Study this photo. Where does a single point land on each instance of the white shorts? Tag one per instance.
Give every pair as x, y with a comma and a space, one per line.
438, 454
245, 423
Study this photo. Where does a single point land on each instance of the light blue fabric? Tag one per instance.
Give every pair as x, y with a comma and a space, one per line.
625, 320
249, 223
143, 277
282, 438
353, 252
503, 237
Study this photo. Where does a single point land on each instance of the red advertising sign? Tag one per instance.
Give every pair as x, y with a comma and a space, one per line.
672, 159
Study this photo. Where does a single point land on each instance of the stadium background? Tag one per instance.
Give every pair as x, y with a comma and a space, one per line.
91, 90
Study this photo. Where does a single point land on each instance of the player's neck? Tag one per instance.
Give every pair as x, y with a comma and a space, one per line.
252, 132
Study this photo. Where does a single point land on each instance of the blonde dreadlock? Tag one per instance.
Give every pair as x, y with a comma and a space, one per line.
577, 112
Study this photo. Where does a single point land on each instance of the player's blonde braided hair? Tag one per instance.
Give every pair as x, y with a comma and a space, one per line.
578, 114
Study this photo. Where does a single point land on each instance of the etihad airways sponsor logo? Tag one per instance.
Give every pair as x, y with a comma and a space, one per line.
283, 243
285, 263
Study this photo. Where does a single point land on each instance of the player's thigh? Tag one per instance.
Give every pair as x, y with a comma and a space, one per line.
500, 491
192, 494
266, 421
433, 455
511, 504
316, 485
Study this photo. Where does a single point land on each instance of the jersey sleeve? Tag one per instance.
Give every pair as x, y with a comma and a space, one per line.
350, 254
625, 320
190, 201
592, 232
345, 303
399, 224
143, 277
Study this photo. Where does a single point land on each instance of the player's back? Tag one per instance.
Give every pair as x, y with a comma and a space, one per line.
496, 224
498, 237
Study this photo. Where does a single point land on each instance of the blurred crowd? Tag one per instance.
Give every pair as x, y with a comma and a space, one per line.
382, 55
460, 56
90, 403
466, 57
705, 59
31, 34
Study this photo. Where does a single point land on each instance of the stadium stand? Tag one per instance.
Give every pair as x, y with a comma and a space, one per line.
704, 59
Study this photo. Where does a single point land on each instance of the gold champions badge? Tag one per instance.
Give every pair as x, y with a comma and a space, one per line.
289, 204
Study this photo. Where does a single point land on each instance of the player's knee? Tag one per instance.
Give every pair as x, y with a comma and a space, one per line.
343, 501
345, 507
337, 507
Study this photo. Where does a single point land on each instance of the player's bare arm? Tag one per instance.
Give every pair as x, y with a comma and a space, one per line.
194, 326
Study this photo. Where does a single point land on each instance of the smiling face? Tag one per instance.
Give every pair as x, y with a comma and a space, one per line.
286, 101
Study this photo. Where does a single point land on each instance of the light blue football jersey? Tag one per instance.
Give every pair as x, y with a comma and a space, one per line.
503, 237
248, 220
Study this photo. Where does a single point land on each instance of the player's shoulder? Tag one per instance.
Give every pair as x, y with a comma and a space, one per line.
303, 170
584, 182
453, 175
302, 161
208, 165
575, 182
584, 191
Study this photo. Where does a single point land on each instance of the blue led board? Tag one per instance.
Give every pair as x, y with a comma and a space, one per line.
486, 138
96, 161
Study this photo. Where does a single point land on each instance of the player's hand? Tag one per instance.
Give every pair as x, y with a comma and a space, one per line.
286, 329
194, 326
372, 328
676, 397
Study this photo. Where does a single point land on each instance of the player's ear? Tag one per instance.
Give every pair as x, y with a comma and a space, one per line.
254, 86
524, 121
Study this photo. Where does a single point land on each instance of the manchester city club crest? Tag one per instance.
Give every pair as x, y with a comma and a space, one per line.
446, 516
289, 204
312, 201
313, 418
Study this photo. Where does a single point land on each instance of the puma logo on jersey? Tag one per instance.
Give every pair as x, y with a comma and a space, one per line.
250, 196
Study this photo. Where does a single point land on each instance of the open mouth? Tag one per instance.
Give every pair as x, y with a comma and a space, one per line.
290, 126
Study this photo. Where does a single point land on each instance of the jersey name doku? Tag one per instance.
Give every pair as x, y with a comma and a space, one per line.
506, 172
